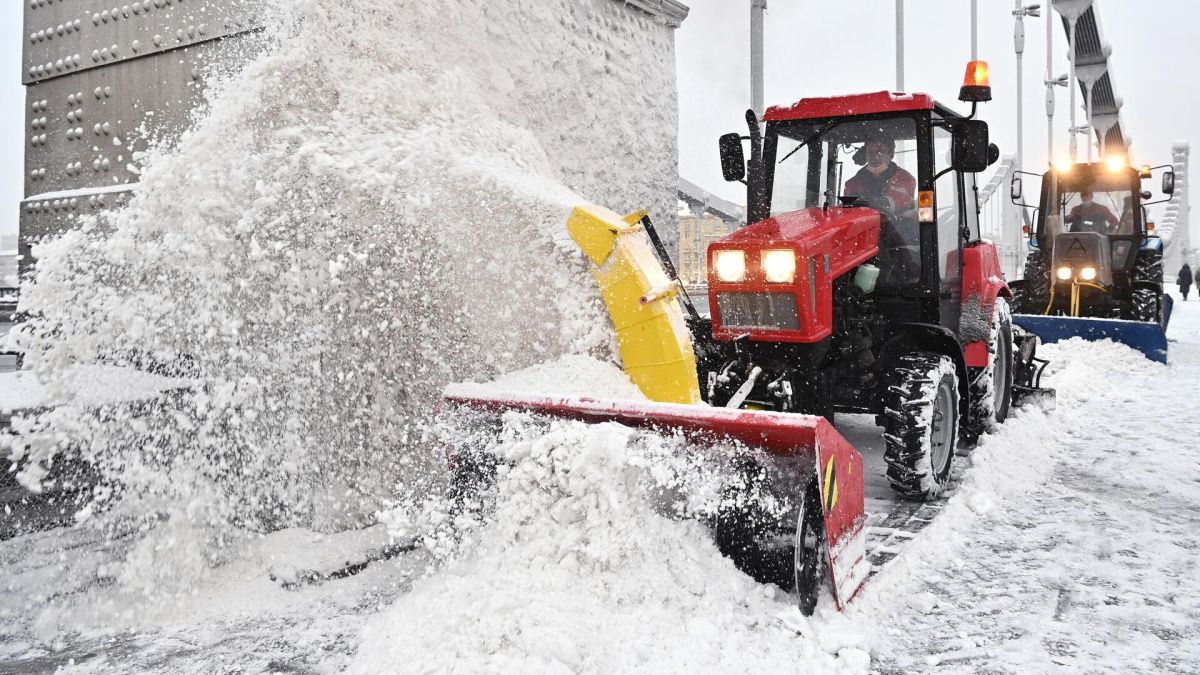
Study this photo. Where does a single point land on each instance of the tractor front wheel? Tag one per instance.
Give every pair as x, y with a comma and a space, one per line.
1145, 305
921, 424
810, 555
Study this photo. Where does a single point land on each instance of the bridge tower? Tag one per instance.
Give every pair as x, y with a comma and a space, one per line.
1176, 222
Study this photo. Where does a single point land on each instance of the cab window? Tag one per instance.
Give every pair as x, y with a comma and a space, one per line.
946, 203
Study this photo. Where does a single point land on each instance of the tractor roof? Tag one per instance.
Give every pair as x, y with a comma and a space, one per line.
854, 104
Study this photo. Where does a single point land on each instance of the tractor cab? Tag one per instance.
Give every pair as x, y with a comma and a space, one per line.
1103, 199
901, 161
861, 277
1093, 250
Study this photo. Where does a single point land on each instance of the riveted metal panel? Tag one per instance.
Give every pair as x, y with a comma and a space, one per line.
84, 123
62, 37
82, 129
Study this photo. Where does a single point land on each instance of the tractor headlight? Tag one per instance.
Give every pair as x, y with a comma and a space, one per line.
1087, 273
731, 266
1064, 273
779, 267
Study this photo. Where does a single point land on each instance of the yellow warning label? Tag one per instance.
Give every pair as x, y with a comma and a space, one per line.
829, 491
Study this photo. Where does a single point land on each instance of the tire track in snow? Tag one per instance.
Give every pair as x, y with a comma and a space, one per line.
1094, 570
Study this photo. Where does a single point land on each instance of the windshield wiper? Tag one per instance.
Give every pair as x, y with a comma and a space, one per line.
808, 140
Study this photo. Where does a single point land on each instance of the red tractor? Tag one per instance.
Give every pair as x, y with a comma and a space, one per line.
870, 293
864, 293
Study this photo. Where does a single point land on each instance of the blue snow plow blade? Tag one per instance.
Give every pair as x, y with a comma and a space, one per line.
1148, 338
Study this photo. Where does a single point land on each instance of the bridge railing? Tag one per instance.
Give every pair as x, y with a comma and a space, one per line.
1000, 220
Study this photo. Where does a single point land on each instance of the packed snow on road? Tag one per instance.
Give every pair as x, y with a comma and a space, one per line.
258, 484
1068, 542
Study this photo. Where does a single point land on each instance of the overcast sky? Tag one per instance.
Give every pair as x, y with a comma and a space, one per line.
828, 47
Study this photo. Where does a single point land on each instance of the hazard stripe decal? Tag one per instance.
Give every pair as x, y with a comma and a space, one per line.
829, 490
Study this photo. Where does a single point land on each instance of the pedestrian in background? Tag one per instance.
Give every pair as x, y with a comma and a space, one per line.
1185, 280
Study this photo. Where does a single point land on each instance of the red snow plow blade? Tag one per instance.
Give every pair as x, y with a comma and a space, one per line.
838, 466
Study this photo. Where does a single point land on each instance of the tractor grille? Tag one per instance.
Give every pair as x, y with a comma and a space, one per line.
759, 310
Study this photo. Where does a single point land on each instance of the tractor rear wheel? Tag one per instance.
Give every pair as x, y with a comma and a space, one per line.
991, 386
921, 424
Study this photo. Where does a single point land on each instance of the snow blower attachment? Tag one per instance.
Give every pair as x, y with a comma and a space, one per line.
880, 300
657, 353
1094, 268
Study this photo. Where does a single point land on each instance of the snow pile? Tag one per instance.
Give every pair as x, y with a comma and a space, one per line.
371, 210
579, 571
571, 375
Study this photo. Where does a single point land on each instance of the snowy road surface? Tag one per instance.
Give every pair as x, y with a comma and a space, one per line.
1070, 543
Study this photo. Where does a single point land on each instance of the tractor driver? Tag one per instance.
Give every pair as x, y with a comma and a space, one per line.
1090, 216
885, 185
891, 190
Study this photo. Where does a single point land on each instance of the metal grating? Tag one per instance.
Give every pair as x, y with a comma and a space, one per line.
758, 310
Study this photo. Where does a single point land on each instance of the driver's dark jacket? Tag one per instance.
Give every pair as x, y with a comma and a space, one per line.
895, 184
1097, 216
898, 257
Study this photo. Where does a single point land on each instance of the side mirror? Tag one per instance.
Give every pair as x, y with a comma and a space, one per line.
1168, 185
733, 161
1015, 190
969, 152
993, 154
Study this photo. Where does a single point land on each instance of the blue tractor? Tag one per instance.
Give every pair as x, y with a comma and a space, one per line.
1094, 268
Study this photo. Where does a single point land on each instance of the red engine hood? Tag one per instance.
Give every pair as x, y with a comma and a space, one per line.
809, 226
827, 244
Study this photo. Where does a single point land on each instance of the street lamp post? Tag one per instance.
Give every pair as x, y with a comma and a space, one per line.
757, 7
899, 45
1020, 12
974, 29
1051, 82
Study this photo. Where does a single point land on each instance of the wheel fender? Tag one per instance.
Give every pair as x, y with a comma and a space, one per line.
928, 337
982, 282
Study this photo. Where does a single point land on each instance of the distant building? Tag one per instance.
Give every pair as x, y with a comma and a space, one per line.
703, 219
695, 234
8, 261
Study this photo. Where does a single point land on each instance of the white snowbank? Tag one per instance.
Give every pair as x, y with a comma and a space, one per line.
579, 572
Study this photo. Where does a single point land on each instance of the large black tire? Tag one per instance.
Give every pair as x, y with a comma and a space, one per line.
759, 544
810, 558
1035, 292
1148, 267
1145, 305
747, 532
991, 386
921, 424
472, 483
